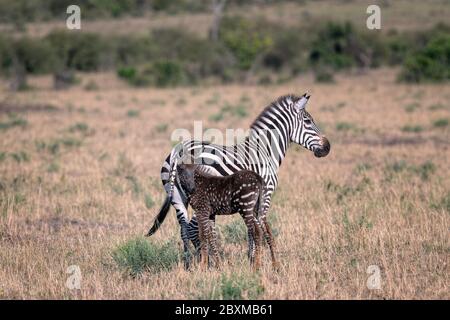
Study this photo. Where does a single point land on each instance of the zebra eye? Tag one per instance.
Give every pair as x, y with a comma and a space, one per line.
307, 121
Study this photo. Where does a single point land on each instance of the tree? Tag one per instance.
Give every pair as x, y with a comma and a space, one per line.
217, 8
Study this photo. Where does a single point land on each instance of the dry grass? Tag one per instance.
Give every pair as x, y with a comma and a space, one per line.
76, 180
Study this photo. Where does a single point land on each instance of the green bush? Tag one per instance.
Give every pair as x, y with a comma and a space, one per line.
5, 53
412, 128
168, 73
13, 122
240, 286
127, 73
289, 49
441, 123
161, 73
443, 203
134, 50
398, 46
36, 56
80, 51
245, 39
139, 255
340, 46
431, 63
21, 11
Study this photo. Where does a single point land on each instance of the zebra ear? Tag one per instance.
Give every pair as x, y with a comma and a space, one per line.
300, 104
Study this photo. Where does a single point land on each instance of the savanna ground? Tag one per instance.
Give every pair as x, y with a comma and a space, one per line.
79, 185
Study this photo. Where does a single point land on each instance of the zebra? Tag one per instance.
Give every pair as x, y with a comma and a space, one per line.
283, 121
241, 192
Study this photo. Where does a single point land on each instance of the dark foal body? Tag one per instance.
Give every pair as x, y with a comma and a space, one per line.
241, 193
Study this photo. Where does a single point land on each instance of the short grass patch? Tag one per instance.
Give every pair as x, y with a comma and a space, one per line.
440, 123
234, 287
13, 122
139, 255
412, 128
133, 113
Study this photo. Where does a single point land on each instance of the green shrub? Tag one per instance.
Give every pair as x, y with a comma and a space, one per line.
440, 123
424, 171
431, 63
127, 73
412, 128
36, 56
289, 49
161, 73
168, 73
54, 146
79, 127
346, 190
240, 286
6, 53
13, 122
20, 156
139, 255
133, 50
245, 39
80, 51
340, 46
133, 113
443, 203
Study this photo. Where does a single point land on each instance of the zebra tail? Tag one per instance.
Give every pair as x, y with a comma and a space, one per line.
160, 217
166, 205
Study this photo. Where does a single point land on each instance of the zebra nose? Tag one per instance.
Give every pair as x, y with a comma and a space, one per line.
326, 144
324, 148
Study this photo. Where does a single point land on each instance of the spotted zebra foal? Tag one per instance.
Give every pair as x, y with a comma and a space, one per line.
210, 195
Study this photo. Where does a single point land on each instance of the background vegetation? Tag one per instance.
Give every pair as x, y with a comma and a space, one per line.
247, 48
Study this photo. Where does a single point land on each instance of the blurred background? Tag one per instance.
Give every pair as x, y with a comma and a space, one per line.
195, 42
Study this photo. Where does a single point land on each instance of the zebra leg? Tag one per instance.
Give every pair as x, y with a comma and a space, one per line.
203, 233
258, 244
248, 219
251, 247
193, 230
180, 204
182, 217
194, 234
270, 241
212, 242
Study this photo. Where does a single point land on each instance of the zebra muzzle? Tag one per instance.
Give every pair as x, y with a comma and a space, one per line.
324, 148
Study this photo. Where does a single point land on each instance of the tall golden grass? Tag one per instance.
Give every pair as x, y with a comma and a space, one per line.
77, 178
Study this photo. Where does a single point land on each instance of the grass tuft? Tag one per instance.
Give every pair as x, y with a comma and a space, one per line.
441, 123
139, 255
235, 286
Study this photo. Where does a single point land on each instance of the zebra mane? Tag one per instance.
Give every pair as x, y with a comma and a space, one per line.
277, 102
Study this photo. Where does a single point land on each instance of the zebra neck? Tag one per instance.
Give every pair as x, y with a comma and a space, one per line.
269, 145
271, 130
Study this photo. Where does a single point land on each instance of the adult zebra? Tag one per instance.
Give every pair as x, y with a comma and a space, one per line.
263, 150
